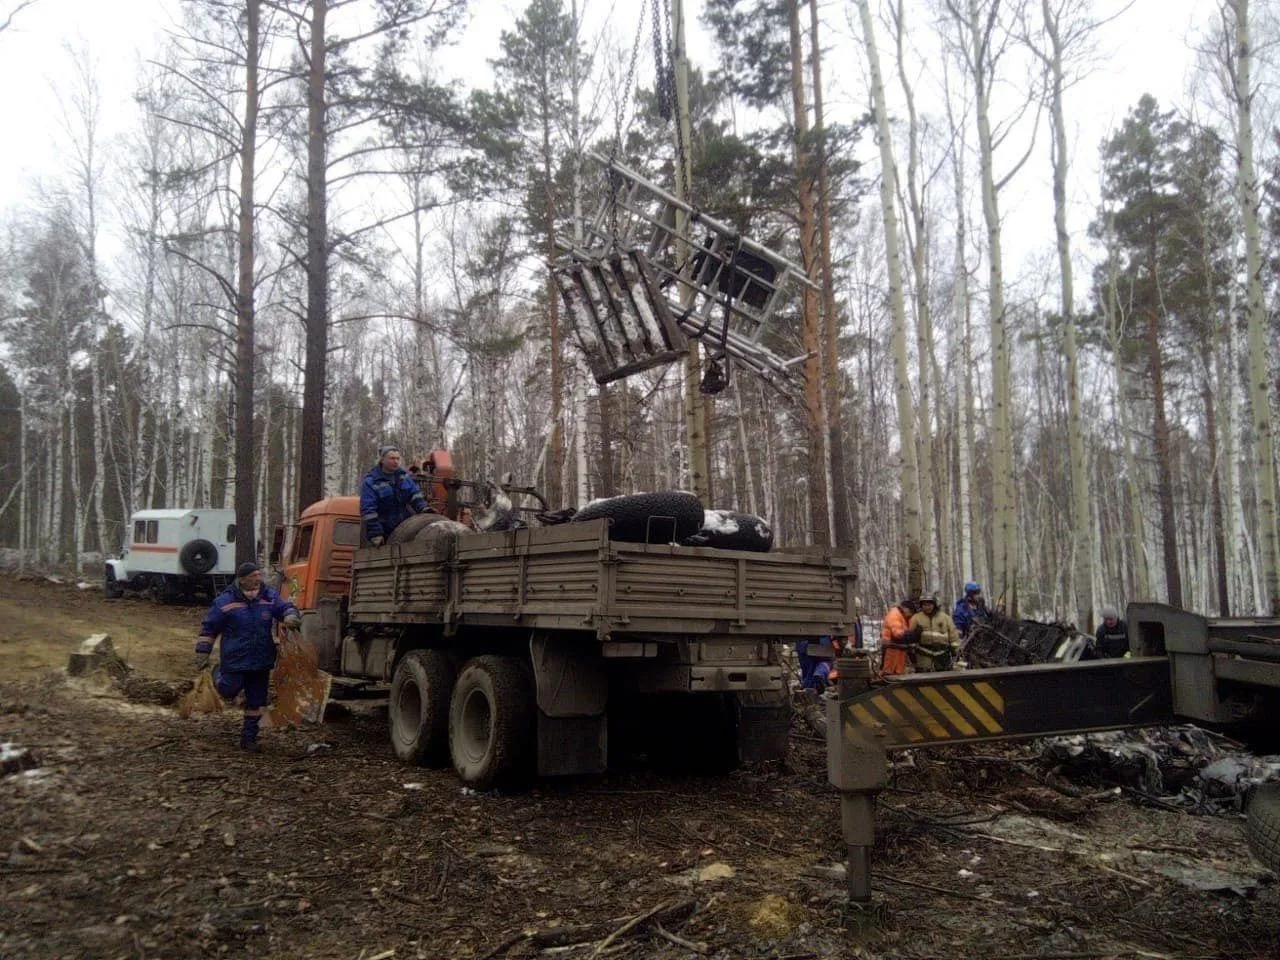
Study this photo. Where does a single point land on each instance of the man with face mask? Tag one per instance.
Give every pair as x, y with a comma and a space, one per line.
244, 616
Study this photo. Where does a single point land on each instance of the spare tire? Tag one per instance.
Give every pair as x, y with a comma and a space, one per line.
198, 557
730, 530
669, 516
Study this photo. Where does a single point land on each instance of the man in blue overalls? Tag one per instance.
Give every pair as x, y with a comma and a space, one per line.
244, 615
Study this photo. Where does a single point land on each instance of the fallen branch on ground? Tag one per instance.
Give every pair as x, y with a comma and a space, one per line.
587, 933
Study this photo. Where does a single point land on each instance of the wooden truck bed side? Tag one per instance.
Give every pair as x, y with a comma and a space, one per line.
573, 577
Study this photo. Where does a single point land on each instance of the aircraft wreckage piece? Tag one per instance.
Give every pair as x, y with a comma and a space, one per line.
638, 289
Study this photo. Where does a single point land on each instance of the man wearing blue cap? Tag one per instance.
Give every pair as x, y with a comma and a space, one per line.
244, 616
388, 496
970, 608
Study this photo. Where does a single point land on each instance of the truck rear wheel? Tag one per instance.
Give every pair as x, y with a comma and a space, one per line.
419, 707
491, 723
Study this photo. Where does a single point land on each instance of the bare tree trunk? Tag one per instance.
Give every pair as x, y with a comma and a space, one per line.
811, 336
311, 455
1163, 445
844, 516
1137, 528
23, 504
55, 538
744, 451
970, 553
918, 242
608, 484
1255, 311
246, 546
1225, 366
908, 468
1003, 488
693, 401
1081, 557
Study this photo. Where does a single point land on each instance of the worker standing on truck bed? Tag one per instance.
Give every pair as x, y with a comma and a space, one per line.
937, 641
244, 616
388, 496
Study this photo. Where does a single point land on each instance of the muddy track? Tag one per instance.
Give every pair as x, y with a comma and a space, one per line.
141, 835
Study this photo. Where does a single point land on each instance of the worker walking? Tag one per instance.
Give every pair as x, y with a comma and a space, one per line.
388, 496
893, 638
1112, 636
937, 640
244, 615
969, 609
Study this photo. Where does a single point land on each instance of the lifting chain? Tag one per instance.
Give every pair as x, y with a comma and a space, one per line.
620, 112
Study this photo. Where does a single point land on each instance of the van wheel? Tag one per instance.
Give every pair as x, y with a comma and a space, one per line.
419, 707
158, 590
111, 587
491, 723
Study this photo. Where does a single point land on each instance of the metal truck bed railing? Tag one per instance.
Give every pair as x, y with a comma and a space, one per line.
573, 577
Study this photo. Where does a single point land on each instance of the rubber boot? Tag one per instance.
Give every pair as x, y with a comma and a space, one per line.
249, 735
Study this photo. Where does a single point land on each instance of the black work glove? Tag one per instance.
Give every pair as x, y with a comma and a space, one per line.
912, 635
202, 659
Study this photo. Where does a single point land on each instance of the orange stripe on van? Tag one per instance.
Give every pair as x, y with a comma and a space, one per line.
152, 548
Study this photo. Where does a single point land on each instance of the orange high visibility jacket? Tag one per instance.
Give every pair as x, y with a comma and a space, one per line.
894, 625
894, 661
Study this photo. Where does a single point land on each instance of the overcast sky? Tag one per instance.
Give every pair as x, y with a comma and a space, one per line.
1146, 49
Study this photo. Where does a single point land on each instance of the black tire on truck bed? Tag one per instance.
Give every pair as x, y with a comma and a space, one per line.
493, 722
665, 517
419, 707
1263, 826
731, 530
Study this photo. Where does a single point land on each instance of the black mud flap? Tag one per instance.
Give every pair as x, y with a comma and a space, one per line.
571, 746
763, 729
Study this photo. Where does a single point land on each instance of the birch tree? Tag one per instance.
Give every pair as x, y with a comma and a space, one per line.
984, 32
907, 464
1068, 27
1239, 57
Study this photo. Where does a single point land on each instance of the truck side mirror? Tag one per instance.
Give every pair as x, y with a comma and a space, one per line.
277, 545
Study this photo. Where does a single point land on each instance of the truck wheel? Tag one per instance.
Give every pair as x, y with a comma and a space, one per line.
419, 707
198, 557
1263, 825
491, 723
158, 590
111, 587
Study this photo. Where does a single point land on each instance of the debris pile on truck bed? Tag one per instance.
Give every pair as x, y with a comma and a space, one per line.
1000, 641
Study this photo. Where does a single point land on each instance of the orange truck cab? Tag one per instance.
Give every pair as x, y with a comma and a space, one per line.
317, 563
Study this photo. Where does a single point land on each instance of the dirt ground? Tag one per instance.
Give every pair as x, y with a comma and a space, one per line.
141, 835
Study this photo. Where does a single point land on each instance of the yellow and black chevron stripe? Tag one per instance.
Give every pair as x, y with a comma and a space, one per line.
921, 714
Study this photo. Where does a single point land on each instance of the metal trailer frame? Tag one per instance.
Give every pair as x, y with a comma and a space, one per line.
637, 288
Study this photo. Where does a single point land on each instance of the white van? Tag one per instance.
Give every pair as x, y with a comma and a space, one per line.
175, 553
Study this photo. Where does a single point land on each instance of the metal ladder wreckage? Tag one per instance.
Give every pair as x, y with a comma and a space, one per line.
638, 289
